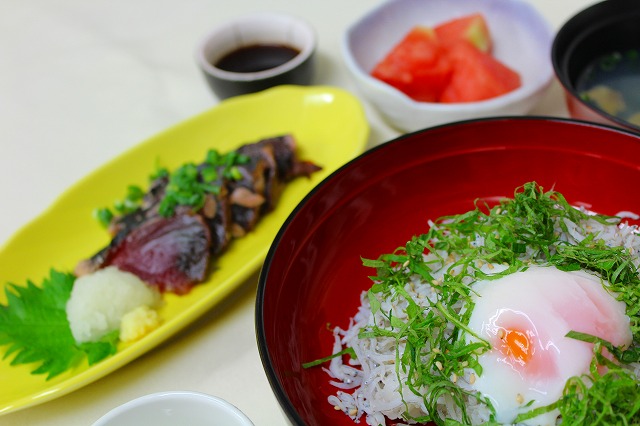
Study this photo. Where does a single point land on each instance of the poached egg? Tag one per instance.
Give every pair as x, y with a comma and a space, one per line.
525, 317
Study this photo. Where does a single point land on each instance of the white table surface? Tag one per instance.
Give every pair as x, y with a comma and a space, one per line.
83, 81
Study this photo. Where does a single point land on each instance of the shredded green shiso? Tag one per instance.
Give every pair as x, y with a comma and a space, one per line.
434, 356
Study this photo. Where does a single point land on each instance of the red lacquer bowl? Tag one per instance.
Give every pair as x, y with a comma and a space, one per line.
313, 274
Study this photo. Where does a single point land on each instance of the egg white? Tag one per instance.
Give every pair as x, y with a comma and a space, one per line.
542, 303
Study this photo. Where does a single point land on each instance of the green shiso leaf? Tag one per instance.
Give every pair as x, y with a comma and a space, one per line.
35, 329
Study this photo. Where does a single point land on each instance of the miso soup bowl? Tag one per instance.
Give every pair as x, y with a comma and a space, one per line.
261, 28
598, 30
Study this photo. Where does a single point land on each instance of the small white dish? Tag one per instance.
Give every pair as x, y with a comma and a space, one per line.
175, 408
522, 40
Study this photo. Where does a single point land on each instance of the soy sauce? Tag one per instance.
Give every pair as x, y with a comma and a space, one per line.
257, 57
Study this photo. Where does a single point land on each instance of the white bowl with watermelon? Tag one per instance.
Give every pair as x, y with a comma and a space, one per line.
428, 62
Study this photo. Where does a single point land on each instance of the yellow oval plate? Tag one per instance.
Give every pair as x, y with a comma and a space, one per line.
330, 127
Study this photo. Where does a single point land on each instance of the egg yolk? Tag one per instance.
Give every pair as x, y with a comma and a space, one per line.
516, 344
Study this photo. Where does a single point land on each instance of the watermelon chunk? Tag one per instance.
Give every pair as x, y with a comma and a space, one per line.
416, 66
477, 75
449, 63
472, 28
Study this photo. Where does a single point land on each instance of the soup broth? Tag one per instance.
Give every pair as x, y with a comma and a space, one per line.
612, 83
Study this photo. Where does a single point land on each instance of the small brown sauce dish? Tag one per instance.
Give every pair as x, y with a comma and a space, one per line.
257, 51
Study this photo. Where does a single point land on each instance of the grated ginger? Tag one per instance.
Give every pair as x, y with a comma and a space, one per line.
138, 322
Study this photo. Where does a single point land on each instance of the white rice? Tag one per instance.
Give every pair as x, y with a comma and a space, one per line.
369, 387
